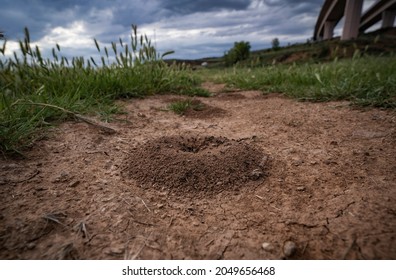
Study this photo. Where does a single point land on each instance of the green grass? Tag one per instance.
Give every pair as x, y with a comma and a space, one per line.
181, 106
365, 81
79, 85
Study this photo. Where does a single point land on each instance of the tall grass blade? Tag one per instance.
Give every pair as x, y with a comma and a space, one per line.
97, 45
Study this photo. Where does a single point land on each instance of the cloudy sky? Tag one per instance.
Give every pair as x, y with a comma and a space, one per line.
193, 29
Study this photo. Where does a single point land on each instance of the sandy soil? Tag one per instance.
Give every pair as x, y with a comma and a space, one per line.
247, 177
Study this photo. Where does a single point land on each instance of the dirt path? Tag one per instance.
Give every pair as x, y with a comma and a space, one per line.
237, 180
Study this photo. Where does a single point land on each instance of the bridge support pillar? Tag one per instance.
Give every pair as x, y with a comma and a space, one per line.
353, 11
388, 18
328, 30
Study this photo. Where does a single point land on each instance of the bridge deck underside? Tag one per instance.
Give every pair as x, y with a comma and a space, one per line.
333, 11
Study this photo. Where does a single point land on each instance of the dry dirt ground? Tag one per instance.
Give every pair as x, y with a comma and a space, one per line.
247, 177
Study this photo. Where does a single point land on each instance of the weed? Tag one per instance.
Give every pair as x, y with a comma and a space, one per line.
79, 85
363, 80
181, 106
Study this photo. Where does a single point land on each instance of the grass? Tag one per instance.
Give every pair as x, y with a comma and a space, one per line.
80, 85
38, 92
363, 80
181, 106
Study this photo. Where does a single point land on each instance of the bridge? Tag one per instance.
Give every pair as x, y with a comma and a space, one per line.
355, 22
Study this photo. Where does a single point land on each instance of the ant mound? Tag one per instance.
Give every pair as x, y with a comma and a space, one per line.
196, 164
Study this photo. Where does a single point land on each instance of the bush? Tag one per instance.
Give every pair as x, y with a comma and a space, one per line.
239, 52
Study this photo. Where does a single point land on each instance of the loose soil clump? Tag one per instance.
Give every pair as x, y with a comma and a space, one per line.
190, 164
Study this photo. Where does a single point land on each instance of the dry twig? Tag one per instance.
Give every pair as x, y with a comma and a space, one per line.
81, 227
141, 248
77, 116
34, 174
349, 248
145, 205
54, 217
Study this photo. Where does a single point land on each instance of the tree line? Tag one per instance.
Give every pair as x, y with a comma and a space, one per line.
241, 51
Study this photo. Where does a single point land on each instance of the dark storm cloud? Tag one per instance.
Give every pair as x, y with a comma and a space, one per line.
292, 2
187, 6
296, 7
199, 28
39, 16
42, 15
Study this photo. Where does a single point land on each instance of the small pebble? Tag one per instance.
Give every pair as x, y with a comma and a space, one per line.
115, 250
10, 166
62, 177
74, 184
289, 248
267, 246
298, 162
256, 174
263, 162
301, 189
31, 246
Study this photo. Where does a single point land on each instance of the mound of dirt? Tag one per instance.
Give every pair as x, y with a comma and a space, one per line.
196, 164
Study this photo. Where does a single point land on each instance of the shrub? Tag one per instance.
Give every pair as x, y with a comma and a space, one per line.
239, 52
